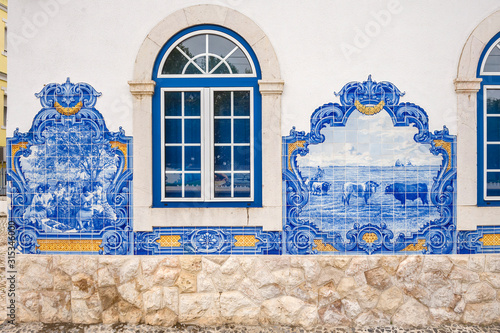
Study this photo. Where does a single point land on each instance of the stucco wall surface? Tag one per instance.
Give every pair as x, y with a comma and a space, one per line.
407, 291
413, 43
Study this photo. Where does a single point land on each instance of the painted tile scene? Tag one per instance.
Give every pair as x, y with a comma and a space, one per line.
369, 172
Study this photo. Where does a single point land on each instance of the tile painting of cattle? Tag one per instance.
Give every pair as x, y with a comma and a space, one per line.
403, 192
364, 190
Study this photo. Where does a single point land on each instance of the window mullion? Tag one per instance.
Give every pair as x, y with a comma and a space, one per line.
183, 149
208, 149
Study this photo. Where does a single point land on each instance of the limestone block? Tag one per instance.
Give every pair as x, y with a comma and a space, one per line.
437, 263
476, 263
492, 263
479, 293
372, 318
482, 313
24, 262
171, 299
275, 263
346, 286
230, 266
378, 278
444, 297
171, 261
357, 264
390, 300
62, 281
130, 294
409, 269
341, 262
35, 277
28, 306
204, 283
327, 294
129, 270
152, 299
109, 296
190, 263
463, 275
83, 286
217, 260
492, 278
165, 276
199, 309
247, 264
76, 264
261, 275
459, 260
163, 317
248, 289
86, 311
271, 291
55, 307
225, 282
332, 314
186, 282
311, 267
440, 316
128, 313
412, 313
289, 311
111, 315
289, 277
149, 264
433, 280
351, 307
328, 274
104, 277
390, 263
367, 296
305, 292
236, 308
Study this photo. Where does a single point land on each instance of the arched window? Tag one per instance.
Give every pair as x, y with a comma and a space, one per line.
488, 122
206, 121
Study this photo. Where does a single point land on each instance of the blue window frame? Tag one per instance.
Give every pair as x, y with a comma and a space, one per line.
206, 121
488, 123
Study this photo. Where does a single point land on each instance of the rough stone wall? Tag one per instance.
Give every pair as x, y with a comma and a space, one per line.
300, 291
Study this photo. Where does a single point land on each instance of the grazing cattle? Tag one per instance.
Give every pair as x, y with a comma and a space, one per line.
320, 188
364, 190
403, 192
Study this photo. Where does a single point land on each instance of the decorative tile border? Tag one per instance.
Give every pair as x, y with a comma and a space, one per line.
486, 239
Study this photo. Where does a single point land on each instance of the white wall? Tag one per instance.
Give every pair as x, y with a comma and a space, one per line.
416, 46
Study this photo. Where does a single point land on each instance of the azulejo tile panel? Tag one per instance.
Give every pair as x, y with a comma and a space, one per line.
70, 177
369, 177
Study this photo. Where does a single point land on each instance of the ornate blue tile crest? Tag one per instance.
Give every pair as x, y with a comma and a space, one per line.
368, 188
70, 177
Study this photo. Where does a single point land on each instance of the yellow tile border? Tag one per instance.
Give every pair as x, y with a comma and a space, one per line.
169, 241
69, 245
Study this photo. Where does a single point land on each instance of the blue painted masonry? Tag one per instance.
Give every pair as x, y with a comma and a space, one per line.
368, 178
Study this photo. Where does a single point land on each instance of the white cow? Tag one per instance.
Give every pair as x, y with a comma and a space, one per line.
363, 190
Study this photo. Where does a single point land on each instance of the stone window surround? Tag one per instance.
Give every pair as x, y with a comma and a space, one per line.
271, 88
469, 215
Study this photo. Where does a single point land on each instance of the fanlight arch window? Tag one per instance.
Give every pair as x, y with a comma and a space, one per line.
207, 121
488, 122
207, 53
